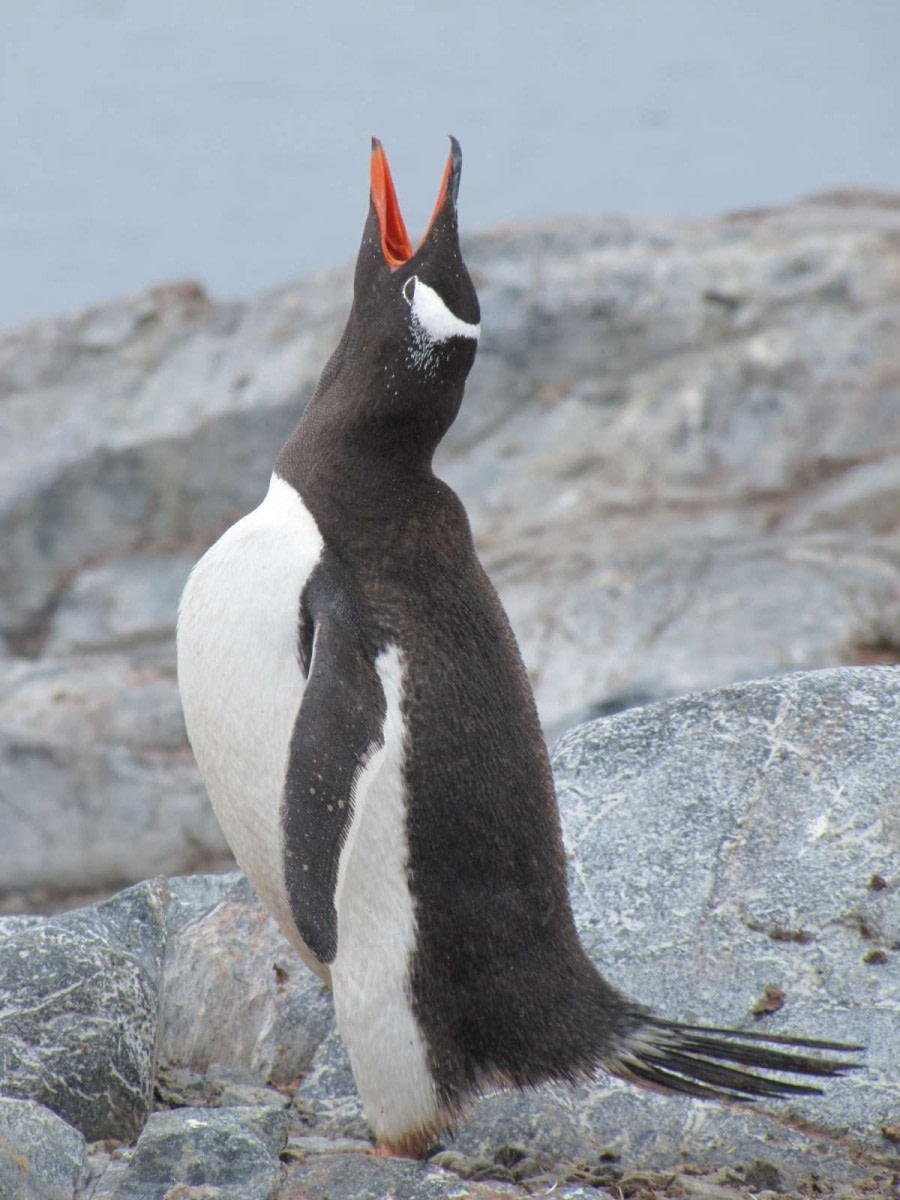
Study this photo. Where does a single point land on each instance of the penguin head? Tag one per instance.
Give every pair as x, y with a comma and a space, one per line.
432, 282
414, 326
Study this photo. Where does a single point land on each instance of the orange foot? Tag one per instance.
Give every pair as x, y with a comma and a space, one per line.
412, 1147
383, 1150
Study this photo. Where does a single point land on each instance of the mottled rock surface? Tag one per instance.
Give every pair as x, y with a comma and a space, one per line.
679, 449
97, 783
202, 1154
235, 991
79, 1003
327, 1097
364, 1177
41, 1157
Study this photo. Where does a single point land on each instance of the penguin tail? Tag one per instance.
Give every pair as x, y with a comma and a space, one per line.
725, 1064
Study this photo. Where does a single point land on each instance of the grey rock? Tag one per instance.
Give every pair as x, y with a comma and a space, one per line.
180, 1087
720, 844
108, 1169
328, 1093
238, 1095
676, 393
236, 994
177, 1087
41, 1157
864, 499
97, 785
761, 814
579, 1193
365, 1177
127, 605
79, 1003
129, 459
195, 1153
303, 1145
471, 1168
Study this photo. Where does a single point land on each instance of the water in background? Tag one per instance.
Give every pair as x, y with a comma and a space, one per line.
227, 140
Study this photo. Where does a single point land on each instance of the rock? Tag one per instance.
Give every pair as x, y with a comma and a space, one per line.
108, 1169
235, 992
365, 1177
866, 499
127, 605
705, 1189
130, 459
80, 1003
300, 1147
41, 1157
711, 802
762, 1175
195, 1153
328, 1093
685, 823
177, 1087
580, 1193
98, 784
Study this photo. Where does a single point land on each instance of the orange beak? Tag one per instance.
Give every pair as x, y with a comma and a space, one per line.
395, 243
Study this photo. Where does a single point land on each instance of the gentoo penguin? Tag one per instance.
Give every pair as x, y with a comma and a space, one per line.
365, 727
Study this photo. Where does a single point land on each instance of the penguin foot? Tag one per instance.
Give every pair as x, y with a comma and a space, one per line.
384, 1150
408, 1149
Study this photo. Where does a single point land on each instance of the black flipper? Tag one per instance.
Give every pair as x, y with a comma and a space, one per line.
692, 1060
338, 728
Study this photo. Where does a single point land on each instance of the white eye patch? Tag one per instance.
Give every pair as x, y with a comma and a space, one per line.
432, 315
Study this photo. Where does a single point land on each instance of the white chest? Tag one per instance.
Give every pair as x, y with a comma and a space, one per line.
241, 687
240, 677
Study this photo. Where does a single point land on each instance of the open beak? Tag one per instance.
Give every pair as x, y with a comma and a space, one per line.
395, 243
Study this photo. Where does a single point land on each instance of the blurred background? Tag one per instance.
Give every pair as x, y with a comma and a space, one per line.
227, 141
680, 444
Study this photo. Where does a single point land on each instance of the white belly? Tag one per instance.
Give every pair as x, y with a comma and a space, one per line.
241, 688
241, 683
377, 937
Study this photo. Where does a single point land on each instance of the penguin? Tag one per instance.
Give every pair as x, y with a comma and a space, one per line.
360, 713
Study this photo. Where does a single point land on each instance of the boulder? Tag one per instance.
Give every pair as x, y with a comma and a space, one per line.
98, 783
79, 1004
364, 1177
127, 605
202, 1154
236, 993
41, 1157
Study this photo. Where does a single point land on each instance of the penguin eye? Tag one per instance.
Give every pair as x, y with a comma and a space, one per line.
409, 289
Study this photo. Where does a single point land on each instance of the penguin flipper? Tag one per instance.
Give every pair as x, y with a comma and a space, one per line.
338, 727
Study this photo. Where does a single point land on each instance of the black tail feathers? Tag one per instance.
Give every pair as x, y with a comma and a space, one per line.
694, 1060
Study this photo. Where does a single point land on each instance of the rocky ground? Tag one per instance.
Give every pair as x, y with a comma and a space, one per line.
733, 859
680, 449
